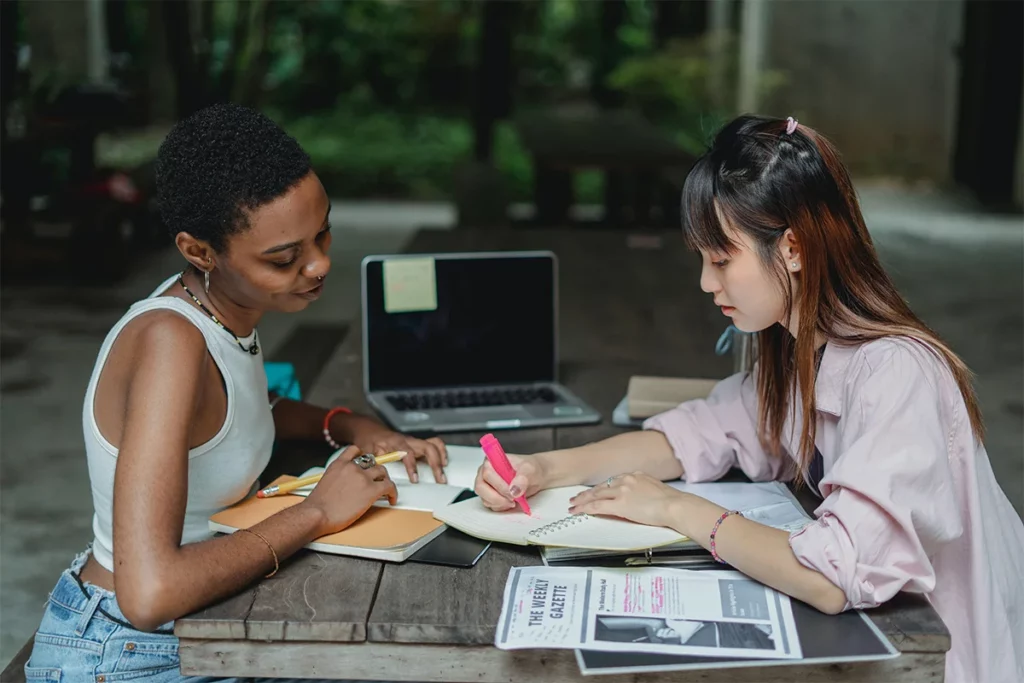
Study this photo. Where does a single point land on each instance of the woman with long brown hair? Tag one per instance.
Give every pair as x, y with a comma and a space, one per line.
851, 394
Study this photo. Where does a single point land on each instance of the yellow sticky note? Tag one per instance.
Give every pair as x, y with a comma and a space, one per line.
410, 285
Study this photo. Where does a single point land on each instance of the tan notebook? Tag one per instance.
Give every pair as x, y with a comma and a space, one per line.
380, 534
647, 396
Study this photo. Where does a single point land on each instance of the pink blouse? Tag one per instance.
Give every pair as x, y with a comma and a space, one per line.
910, 500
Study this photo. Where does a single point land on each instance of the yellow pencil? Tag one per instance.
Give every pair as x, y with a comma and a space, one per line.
290, 486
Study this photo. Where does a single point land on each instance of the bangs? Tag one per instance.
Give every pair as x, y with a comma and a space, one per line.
703, 228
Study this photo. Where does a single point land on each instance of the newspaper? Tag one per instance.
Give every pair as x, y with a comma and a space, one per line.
670, 611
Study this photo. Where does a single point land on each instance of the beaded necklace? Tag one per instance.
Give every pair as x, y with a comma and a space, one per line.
253, 348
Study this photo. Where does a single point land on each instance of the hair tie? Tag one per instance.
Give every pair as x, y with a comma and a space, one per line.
790, 125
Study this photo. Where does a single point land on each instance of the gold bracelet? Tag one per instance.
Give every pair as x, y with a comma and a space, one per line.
272, 551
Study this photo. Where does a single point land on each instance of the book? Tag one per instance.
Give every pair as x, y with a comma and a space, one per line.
426, 495
550, 524
391, 533
383, 533
647, 396
769, 503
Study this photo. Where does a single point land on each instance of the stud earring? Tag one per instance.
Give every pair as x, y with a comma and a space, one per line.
793, 264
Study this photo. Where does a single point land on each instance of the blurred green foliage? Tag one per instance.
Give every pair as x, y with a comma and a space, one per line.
380, 92
675, 87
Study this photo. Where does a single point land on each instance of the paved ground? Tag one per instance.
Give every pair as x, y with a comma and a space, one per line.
963, 271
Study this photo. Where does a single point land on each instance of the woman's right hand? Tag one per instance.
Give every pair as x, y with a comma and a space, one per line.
346, 491
497, 495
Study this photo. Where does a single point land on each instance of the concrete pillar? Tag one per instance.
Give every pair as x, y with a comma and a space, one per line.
97, 51
753, 36
719, 27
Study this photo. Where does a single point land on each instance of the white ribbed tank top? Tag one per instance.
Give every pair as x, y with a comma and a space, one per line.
223, 470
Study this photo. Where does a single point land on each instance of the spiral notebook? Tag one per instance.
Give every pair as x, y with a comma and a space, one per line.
550, 524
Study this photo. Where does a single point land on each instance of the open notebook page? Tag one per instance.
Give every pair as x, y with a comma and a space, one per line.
463, 462
551, 524
605, 533
424, 496
512, 526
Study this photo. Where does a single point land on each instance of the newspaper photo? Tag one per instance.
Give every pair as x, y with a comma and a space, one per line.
670, 611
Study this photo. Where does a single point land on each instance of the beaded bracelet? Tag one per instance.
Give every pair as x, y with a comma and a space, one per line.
714, 532
272, 551
327, 425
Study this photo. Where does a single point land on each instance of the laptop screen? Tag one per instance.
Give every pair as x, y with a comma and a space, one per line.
443, 320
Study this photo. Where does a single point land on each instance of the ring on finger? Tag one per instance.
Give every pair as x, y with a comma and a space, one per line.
608, 482
365, 461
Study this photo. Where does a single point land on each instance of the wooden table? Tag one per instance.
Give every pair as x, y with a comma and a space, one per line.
623, 311
631, 151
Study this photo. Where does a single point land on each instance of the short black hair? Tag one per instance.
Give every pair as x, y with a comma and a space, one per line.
219, 163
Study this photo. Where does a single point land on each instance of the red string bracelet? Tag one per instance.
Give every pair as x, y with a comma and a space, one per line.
327, 425
714, 532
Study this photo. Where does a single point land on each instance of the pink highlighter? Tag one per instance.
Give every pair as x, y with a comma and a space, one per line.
499, 461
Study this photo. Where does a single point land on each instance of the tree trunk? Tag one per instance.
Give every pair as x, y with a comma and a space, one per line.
613, 13
189, 87
254, 58
493, 97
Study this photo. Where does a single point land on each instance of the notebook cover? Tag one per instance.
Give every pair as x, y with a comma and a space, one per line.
380, 528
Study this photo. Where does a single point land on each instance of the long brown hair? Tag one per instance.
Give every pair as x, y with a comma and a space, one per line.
763, 181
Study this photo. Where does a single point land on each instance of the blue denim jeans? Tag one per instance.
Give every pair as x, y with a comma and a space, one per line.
80, 639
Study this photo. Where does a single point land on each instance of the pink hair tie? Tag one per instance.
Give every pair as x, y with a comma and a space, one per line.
790, 125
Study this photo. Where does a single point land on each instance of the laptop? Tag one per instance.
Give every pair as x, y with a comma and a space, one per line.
465, 342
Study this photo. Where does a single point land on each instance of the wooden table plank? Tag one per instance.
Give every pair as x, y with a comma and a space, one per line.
317, 597
487, 664
422, 603
224, 620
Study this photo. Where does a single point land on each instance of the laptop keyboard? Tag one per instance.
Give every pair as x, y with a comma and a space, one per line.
470, 398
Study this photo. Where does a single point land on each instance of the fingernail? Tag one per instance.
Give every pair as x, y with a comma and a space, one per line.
515, 492
443, 479
415, 478
572, 499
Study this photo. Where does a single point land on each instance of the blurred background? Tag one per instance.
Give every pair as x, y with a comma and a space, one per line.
477, 115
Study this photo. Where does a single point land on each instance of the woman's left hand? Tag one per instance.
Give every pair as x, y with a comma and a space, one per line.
637, 497
373, 437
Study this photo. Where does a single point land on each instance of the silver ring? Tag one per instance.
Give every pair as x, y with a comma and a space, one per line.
608, 482
365, 461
